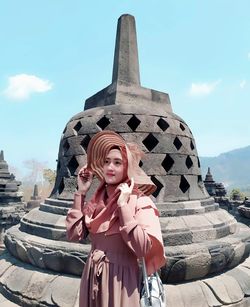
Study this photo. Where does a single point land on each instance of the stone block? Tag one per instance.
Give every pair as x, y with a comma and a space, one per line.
242, 275
193, 295
197, 266
68, 296
226, 289
173, 295
239, 250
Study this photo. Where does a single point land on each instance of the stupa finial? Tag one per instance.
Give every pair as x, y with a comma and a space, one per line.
126, 62
35, 192
1, 156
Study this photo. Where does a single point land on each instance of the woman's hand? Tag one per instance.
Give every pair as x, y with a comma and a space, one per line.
84, 180
126, 191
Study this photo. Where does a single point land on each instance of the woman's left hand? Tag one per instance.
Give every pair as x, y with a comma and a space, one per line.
126, 191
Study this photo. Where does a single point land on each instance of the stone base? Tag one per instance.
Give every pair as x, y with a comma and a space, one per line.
26, 285
244, 211
231, 288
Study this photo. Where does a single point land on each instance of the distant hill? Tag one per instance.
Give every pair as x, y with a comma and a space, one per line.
231, 168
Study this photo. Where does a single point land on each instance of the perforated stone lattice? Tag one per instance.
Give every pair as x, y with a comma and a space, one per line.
150, 141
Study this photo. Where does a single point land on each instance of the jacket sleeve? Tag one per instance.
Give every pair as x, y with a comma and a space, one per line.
75, 222
132, 226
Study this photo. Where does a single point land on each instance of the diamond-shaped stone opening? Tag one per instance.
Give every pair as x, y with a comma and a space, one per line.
58, 166
184, 185
2, 186
167, 163
85, 142
191, 145
77, 127
162, 124
72, 166
158, 184
150, 142
61, 186
177, 143
199, 178
65, 146
103, 122
182, 127
140, 163
133, 123
198, 160
189, 162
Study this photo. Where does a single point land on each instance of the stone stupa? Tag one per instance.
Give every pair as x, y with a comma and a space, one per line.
11, 206
214, 188
205, 245
35, 199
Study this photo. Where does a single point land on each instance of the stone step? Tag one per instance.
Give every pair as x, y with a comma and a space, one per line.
61, 256
187, 229
53, 209
58, 203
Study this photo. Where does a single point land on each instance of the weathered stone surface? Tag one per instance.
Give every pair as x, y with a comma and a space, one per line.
226, 289
242, 275
197, 266
68, 296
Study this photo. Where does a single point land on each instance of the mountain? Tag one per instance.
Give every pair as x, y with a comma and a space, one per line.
231, 168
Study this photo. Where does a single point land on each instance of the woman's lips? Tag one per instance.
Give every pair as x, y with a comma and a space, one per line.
110, 174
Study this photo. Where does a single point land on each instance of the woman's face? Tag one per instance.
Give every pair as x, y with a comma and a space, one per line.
113, 167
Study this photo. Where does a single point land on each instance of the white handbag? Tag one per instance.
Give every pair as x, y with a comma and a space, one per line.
152, 291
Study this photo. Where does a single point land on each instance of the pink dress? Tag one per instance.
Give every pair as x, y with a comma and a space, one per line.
111, 274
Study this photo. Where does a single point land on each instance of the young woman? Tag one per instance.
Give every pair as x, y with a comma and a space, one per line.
122, 222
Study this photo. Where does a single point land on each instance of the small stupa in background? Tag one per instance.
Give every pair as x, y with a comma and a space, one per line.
35, 199
11, 206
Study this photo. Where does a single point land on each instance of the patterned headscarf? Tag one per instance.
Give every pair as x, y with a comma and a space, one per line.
98, 149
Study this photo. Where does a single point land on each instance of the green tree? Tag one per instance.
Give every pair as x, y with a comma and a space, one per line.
49, 175
236, 194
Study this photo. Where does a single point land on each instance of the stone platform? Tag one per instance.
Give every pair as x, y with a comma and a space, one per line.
29, 286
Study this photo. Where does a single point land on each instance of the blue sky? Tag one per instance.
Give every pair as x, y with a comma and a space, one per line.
56, 53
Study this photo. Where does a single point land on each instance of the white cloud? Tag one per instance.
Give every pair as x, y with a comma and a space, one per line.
243, 83
21, 86
201, 89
